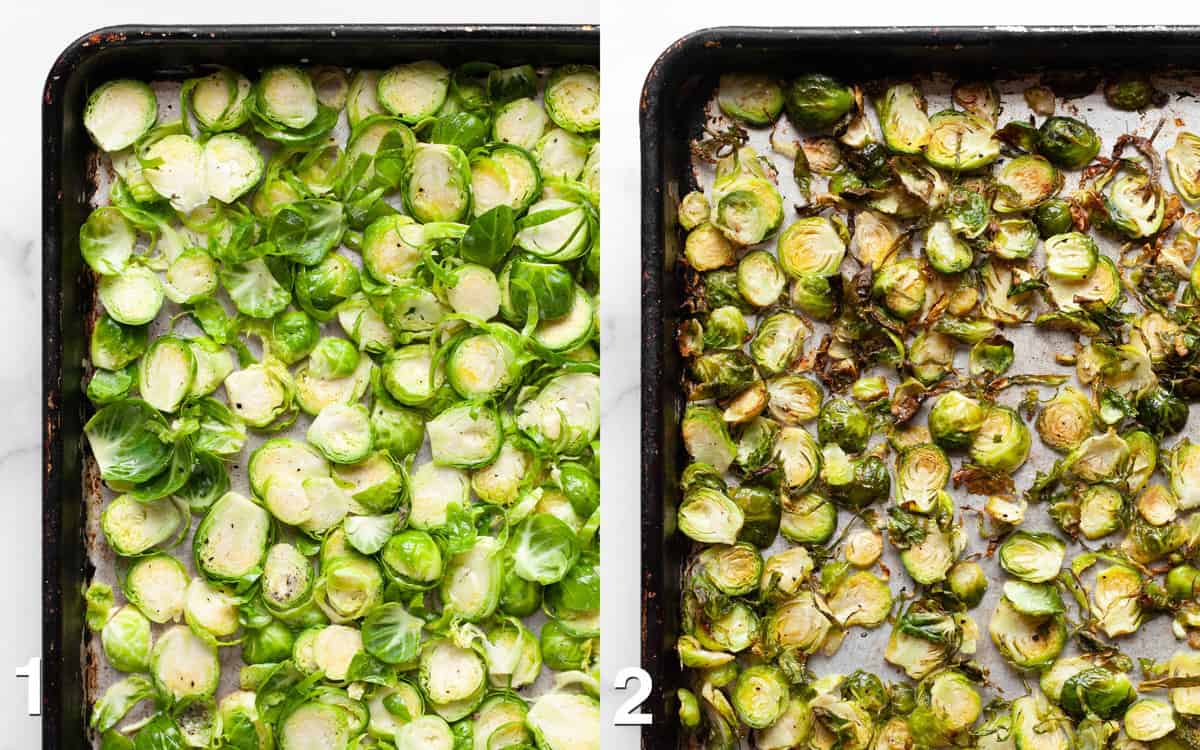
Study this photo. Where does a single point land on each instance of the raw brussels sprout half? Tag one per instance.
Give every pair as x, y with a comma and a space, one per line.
460, 260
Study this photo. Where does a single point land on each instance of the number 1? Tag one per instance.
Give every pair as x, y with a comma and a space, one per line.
33, 670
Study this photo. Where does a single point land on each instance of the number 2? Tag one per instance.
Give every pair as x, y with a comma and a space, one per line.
628, 714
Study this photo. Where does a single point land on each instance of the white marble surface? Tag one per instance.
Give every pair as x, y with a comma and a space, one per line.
635, 33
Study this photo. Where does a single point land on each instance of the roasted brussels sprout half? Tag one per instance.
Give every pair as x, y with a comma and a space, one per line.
747, 207
1067, 142
1002, 441
752, 98
816, 102
844, 423
904, 119
955, 419
1035, 557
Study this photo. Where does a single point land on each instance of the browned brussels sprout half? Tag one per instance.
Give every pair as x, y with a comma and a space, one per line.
817, 102
1067, 142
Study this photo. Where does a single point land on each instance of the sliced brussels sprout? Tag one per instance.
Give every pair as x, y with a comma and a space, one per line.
735, 569
861, 599
814, 296
1135, 203
904, 119
778, 341
342, 433
944, 251
919, 645
413, 560
505, 175
212, 612
520, 122
126, 640
708, 515
1116, 600
1038, 725
1002, 441
1072, 256
900, 286
287, 578
1067, 142
317, 722
466, 436
1183, 163
752, 98
968, 582
922, 472
572, 98
793, 728
157, 586
118, 113
1102, 286
561, 720
960, 141
1025, 183
561, 154
1098, 458
1066, 420
107, 240
798, 623
947, 706
437, 183
1026, 641
374, 483
1148, 719
1035, 599
166, 373
565, 413
929, 560
184, 666
133, 297
471, 585
413, 91
808, 519
747, 206
1183, 468
930, 356
231, 540
811, 246
132, 527
817, 102
760, 279
760, 696
1035, 557
174, 165
1100, 511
